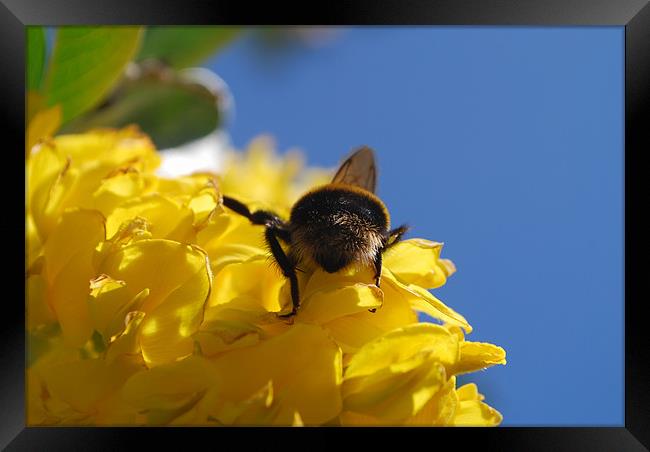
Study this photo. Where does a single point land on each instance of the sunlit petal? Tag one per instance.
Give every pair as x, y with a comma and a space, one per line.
417, 261
304, 365
178, 290
472, 412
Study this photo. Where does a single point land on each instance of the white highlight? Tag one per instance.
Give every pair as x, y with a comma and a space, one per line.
204, 154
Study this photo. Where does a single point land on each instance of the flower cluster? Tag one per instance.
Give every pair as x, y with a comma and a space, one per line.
149, 303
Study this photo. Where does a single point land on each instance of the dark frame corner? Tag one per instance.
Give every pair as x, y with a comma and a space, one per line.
634, 15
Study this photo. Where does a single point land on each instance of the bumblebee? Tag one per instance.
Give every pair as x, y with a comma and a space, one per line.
332, 226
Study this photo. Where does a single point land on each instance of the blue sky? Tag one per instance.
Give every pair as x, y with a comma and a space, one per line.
506, 144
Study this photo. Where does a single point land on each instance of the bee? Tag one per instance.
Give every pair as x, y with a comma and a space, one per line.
332, 226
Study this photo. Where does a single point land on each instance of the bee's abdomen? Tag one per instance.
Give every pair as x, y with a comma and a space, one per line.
337, 226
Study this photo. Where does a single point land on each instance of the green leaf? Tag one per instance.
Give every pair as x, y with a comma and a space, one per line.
86, 63
172, 108
181, 47
35, 56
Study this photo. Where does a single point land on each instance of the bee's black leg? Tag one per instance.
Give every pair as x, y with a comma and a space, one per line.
395, 235
260, 217
378, 267
288, 268
378, 260
275, 228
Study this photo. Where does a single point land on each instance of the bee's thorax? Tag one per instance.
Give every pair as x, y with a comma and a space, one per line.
337, 227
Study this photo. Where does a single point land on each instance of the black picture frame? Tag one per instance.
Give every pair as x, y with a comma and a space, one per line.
634, 15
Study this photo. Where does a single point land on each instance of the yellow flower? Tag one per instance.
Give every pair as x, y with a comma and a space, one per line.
149, 303
407, 376
262, 178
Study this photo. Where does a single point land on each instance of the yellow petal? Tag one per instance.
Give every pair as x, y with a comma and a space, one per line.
79, 231
69, 254
198, 192
402, 344
230, 238
303, 364
39, 313
203, 205
179, 281
242, 312
34, 247
417, 261
469, 392
255, 280
166, 333
395, 376
83, 384
440, 409
218, 336
55, 351
320, 280
126, 343
167, 391
106, 296
128, 233
114, 147
327, 305
471, 412
84, 161
117, 189
448, 266
88, 160
396, 311
186, 185
168, 219
109, 303
260, 409
297, 420
43, 125
423, 301
43, 167
397, 392
352, 332
476, 356
261, 176
49, 181
45, 409
115, 411
36, 414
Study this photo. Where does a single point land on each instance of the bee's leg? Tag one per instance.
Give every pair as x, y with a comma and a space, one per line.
260, 217
287, 266
378, 260
275, 228
395, 235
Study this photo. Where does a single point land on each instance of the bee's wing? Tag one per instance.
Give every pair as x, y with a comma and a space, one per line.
359, 169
